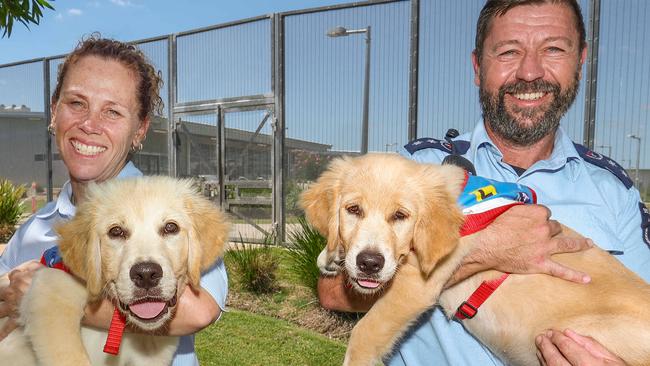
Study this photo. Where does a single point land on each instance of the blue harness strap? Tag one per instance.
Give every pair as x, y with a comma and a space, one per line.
483, 200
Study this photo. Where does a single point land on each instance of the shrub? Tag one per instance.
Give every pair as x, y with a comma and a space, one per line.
306, 244
253, 267
10, 208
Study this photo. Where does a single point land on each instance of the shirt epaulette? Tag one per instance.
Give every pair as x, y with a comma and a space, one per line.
604, 162
456, 146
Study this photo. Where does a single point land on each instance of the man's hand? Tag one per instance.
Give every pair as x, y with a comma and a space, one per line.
522, 240
20, 279
571, 349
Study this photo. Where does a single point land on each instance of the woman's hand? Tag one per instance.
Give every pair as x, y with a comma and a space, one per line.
20, 278
568, 348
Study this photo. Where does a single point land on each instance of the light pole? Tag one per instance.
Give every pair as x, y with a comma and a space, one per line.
342, 32
638, 158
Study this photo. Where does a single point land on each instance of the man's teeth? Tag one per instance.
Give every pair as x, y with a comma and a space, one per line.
529, 96
87, 149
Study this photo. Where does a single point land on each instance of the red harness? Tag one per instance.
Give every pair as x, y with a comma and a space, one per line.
484, 189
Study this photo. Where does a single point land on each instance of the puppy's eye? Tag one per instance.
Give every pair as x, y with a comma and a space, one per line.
116, 232
170, 228
354, 210
400, 215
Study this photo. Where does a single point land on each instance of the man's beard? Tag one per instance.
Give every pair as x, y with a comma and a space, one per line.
508, 127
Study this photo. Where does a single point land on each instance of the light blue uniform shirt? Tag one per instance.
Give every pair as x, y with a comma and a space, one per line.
37, 235
585, 197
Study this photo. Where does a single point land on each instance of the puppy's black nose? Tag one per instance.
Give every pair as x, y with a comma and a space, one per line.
146, 274
370, 262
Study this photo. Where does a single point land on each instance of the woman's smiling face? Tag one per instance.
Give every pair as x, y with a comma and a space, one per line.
96, 118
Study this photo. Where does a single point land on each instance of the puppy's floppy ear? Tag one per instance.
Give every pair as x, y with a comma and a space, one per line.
322, 200
207, 236
79, 245
436, 232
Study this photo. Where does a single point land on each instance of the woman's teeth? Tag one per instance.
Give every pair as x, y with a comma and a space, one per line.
88, 150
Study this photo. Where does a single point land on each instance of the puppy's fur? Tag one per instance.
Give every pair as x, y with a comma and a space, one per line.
392, 224
132, 241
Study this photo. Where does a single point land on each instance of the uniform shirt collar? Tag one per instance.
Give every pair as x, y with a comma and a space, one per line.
64, 206
563, 152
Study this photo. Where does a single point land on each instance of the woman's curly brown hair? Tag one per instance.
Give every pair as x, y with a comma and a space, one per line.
150, 80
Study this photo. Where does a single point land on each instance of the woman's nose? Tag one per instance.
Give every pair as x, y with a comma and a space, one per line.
91, 123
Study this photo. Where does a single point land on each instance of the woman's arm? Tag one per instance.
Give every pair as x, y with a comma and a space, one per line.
196, 310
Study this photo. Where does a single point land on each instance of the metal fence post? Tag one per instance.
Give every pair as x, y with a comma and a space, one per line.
277, 50
593, 29
413, 70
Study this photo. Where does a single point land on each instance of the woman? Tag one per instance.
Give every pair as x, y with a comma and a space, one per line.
105, 95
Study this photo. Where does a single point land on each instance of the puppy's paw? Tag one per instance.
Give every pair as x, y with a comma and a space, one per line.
327, 265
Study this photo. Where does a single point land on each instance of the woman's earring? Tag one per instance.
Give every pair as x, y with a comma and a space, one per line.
50, 129
135, 149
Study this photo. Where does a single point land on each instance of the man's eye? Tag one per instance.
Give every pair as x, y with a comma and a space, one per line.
508, 53
554, 50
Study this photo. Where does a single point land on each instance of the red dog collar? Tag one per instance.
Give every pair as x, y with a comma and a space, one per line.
52, 258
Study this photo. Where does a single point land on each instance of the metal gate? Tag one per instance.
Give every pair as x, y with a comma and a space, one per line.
228, 148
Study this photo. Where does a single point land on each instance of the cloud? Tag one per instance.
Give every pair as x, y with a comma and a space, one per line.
122, 2
58, 16
75, 12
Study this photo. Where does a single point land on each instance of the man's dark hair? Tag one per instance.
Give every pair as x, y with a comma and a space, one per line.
497, 8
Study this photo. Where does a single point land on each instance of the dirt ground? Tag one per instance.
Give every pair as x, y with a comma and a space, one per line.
309, 315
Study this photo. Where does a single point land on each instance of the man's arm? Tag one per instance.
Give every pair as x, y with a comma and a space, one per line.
522, 240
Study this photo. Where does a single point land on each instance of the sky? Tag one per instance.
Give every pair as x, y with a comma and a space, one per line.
131, 20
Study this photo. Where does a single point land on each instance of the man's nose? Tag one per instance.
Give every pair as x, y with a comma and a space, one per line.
530, 68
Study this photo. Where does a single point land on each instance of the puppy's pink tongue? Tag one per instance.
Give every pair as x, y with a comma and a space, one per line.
147, 310
368, 283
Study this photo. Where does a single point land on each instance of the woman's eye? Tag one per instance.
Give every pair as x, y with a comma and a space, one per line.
116, 232
111, 113
75, 104
170, 228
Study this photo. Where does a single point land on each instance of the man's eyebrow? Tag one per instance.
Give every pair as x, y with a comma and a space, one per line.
505, 43
568, 40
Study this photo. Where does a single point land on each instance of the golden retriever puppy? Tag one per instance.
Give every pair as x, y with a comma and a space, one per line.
392, 225
137, 242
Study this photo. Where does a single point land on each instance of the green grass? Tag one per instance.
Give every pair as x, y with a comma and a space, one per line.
241, 338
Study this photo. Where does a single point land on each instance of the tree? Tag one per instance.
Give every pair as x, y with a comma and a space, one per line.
24, 11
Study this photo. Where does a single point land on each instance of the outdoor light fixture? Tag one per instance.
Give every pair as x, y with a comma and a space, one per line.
638, 157
342, 32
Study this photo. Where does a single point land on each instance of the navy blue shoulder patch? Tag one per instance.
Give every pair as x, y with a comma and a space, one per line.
459, 147
645, 222
606, 163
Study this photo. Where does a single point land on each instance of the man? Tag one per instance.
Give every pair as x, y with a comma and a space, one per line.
527, 64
